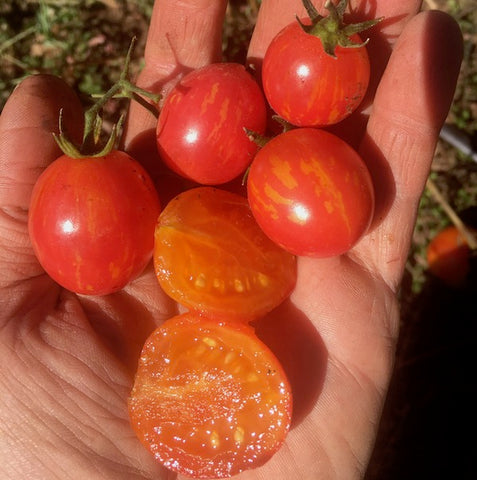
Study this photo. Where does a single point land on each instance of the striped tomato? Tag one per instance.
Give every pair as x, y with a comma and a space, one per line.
311, 193
200, 131
316, 71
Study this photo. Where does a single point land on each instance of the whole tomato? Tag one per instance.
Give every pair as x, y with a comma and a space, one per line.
211, 256
200, 131
315, 72
209, 398
449, 256
91, 221
311, 193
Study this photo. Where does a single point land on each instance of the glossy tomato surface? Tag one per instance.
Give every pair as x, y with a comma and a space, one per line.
311, 193
200, 131
306, 86
209, 399
211, 256
448, 256
91, 222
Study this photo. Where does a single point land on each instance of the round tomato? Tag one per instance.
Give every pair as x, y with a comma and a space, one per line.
305, 85
209, 399
91, 221
200, 131
448, 256
311, 193
211, 256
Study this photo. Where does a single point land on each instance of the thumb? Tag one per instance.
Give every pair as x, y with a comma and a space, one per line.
27, 146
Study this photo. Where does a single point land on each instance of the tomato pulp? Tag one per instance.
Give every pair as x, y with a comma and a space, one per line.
91, 221
209, 398
311, 193
211, 256
200, 130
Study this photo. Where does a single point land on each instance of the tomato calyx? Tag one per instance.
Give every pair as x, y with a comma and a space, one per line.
93, 144
331, 29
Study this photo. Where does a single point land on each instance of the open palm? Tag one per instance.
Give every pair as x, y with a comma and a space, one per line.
67, 361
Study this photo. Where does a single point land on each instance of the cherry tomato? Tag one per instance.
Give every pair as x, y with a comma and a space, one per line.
448, 256
211, 256
91, 221
308, 87
311, 193
200, 131
209, 399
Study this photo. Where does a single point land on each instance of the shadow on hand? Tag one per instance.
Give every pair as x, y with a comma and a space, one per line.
300, 350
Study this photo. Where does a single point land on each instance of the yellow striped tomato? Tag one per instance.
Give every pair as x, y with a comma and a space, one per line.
311, 193
200, 130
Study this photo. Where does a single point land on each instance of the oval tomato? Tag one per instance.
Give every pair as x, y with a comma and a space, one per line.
200, 131
209, 399
210, 255
311, 193
91, 221
308, 87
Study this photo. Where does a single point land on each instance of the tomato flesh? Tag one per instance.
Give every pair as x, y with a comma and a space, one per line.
91, 222
209, 399
211, 256
306, 86
311, 193
200, 131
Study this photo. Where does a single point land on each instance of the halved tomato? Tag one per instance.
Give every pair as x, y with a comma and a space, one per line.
210, 255
209, 399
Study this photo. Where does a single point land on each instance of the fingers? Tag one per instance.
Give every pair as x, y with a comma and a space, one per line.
410, 106
26, 146
27, 123
183, 35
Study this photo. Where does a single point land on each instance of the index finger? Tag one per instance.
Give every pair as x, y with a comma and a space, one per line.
183, 35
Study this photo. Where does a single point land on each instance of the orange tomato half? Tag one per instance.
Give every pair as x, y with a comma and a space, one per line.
211, 256
209, 399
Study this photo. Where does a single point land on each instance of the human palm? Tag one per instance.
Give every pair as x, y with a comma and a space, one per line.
67, 361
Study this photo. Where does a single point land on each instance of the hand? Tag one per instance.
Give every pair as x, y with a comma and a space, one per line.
67, 361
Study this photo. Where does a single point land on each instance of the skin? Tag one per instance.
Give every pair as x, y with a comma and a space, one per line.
66, 361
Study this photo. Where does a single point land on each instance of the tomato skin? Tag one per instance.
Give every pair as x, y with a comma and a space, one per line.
91, 221
200, 130
448, 256
308, 87
211, 256
209, 399
311, 193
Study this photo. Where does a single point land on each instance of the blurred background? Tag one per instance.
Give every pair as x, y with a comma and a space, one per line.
428, 424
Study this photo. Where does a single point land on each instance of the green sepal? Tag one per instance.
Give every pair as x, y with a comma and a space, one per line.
331, 29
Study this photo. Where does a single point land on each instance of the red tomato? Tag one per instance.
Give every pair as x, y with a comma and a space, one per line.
209, 399
306, 86
91, 221
448, 256
200, 131
311, 193
211, 256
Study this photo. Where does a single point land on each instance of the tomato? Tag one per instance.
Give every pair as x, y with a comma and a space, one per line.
211, 256
448, 256
91, 221
311, 193
200, 131
209, 399
307, 86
